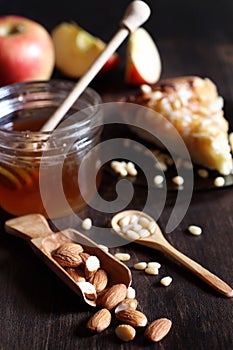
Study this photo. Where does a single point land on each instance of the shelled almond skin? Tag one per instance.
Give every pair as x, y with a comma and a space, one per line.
113, 296
158, 329
99, 321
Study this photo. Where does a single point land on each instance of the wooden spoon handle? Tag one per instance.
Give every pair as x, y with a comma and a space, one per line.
136, 14
207, 276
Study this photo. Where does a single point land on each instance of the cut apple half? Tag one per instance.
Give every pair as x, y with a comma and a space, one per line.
76, 50
143, 63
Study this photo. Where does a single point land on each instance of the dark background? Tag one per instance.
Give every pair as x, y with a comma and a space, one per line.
37, 311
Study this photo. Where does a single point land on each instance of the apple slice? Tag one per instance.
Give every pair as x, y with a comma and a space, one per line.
143, 63
76, 50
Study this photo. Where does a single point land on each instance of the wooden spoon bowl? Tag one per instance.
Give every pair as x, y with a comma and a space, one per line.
156, 240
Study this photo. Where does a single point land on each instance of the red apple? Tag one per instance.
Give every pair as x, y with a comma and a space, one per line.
76, 50
26, 50
143, 64
112, 62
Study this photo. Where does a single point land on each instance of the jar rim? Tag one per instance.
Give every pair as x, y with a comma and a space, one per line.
7, 90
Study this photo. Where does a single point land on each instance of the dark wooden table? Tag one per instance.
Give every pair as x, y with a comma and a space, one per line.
37, 311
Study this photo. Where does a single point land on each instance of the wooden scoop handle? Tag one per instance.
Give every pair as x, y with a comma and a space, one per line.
28, 226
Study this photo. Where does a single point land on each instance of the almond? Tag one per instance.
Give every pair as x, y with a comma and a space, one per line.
125, 332
76, 274
158, 329
99, 280
99, 321
91, 266
113, 296
132, 317
68, 254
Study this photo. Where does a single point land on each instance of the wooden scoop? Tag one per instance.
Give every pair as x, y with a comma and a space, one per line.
35, 229
156, 240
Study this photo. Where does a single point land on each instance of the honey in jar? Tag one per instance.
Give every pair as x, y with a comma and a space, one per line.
38, 170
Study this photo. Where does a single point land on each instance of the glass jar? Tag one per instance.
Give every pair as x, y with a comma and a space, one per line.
35, 166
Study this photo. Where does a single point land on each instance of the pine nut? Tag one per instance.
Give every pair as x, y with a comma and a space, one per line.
142, 265
133, 219
145, 89
166, 281
203, 173
195, 230
104, 248
131, 293
152, 227
152, 270
154, 264
130, 167
158, 180
132, 235
122, 256
124, 221
136, 227
144, 222
178, 180
219, 181
161, 166
87, 224
144, 233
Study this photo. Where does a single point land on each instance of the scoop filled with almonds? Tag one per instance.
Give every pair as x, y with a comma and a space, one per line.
81, 263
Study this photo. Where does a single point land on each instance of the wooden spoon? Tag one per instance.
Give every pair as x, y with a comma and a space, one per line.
156, 240
35, 229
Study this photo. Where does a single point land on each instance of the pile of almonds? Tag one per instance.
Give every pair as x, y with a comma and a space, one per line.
86, 271
83, 268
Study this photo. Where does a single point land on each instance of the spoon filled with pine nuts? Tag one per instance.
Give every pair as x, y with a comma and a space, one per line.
141, 228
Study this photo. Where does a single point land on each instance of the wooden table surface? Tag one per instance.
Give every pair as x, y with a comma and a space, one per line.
37, 311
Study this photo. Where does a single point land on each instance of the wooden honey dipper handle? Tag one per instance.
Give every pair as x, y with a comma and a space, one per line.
135, 15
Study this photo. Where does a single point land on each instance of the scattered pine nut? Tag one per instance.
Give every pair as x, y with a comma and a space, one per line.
140, 265
104, 248
195, 230
125, 332
131, 293
161, 166
152, 270
158, 180
87, 224
219, 181
166, 281
122, 256
203, 173
178, 180
145, 89
154, 264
